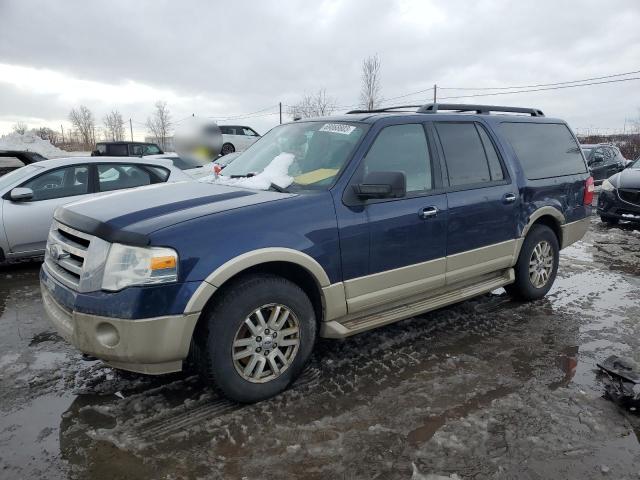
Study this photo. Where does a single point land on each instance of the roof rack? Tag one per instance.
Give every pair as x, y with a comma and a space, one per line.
458, 108
485, 109
387, 109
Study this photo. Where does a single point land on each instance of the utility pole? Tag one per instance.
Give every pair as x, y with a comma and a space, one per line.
280, 106
435, 93
62, 130
131, 129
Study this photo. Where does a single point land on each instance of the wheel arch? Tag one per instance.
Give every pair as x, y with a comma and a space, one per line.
548, 216
291, 264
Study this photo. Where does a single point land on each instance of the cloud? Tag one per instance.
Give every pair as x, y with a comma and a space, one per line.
226, 58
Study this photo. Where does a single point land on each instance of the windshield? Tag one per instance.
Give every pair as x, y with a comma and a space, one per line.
303, 155
635, 164
15, 176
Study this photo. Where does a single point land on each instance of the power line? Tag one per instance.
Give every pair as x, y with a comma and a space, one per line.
541, 84
386, 100
541, 89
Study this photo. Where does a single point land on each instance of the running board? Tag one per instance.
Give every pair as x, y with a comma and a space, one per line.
350, 326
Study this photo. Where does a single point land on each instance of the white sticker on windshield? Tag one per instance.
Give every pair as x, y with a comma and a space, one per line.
337, 128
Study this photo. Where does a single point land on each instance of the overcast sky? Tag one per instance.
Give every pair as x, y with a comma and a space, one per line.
234, 57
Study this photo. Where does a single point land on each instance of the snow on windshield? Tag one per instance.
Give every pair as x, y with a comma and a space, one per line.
277, 172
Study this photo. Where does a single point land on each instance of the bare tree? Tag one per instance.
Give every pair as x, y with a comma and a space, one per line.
316, 105
46, 133
113, 126
159, 124
20, 127
370, 93
84, 124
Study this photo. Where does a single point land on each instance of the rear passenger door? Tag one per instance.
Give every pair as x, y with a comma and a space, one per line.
482, 201
407, 236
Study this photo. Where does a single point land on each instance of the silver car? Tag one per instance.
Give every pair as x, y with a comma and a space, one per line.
30, 195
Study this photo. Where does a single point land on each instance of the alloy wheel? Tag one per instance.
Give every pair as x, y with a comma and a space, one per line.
266, 343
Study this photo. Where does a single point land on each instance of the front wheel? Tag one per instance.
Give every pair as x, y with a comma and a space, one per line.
228, 148
537, 264
260, 334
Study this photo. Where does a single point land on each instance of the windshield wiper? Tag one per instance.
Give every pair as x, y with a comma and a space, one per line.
278, 188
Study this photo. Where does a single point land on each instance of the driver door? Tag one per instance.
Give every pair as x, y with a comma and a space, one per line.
27, 222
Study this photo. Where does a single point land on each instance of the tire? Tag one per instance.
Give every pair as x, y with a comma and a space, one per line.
527, 286
609, 220
228, 148
225, 325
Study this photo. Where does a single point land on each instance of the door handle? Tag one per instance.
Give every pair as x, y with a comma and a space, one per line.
509, 198
428, 212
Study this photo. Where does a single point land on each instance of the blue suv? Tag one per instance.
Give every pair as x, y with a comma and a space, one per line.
325, 227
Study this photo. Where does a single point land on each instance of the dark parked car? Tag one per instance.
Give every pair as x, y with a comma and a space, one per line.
13, 159
619, 197
126, 149
327, 227
603, 160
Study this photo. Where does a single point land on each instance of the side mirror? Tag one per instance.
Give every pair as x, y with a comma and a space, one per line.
382, 185
20, 194
95, 153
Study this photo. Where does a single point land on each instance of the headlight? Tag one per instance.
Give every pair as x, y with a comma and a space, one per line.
607, 186
128, 266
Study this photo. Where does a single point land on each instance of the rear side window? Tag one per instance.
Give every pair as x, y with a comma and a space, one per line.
464, 153
545, 149
115, 177
495, 167
118, 150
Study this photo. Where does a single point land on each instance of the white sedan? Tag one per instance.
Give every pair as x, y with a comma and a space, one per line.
30, 195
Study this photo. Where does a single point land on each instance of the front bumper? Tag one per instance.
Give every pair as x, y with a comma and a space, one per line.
154, 345
612, 206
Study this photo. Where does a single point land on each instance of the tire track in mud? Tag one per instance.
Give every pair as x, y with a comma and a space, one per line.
353, 369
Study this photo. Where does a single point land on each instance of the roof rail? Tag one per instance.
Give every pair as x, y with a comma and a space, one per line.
485, 109
386, 109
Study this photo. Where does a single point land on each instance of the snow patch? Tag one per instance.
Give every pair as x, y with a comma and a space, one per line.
31, 143
277, 172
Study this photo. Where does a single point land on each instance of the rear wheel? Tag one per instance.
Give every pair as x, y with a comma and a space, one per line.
228, 148
537, 264
609, 220
260, 332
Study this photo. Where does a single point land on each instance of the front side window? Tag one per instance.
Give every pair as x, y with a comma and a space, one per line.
401, 148
249, 132
464, 153
101, 148
118, 176
303, 155
545, 150
59, 183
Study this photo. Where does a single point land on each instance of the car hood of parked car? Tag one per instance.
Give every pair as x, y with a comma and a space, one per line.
629, 178
130, 216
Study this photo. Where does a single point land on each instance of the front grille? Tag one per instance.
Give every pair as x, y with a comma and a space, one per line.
67, 251
630, 196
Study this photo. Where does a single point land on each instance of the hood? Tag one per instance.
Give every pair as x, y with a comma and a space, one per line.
629, 178
129, 216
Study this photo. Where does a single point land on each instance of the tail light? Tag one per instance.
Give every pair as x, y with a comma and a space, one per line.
216, 169
588, 191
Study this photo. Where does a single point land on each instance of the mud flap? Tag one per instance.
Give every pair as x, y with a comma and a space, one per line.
623, 382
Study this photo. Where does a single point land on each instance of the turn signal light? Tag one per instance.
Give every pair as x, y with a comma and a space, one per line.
162, 263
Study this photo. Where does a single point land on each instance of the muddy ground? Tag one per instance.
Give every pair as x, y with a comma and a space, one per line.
490, 388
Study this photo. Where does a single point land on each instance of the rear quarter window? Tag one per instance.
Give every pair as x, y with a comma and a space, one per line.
545, 149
